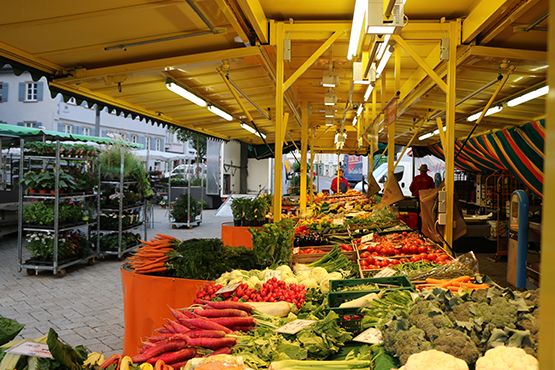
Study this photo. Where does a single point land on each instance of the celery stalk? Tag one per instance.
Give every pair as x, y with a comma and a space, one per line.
325, 365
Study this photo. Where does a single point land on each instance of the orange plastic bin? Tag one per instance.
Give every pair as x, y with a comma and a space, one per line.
145, 304
236, 236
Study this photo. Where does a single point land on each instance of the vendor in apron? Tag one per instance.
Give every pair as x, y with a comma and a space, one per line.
343, 183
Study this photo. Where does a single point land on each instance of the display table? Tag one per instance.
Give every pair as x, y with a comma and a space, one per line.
237, 236
146, 302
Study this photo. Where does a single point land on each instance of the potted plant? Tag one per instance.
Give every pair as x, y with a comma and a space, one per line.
237, 210
180, 211
262, 207
31, 180
163, 203
248, 211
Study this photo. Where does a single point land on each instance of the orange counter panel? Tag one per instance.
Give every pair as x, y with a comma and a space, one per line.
236, 236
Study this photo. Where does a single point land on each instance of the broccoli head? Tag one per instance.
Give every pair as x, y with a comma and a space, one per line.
463, 312
426, 315
499, 313
408, 342
479, 295
458, 344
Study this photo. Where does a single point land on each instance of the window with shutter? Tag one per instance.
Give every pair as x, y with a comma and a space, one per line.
3, 92
31, 91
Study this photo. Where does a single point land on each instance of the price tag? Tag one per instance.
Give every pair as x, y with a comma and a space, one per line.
29, 348
295, 326
348, 207
414, 296
274, 273
386, 272
296, 250
367, 238
370, 336
228, 288
338, 221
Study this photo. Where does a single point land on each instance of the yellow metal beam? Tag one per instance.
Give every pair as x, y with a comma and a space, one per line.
302, 69
304, 150
421, 62
236, 23
156, 64
546, 353
441, 132
280, 73
315, 30
27, 59
235, 95
511, 54
255, 15
481, 17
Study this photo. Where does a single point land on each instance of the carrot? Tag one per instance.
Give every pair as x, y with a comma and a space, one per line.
475, 286
111, 360
460, 279
227, 312
434, 281
221, 351
454, 289
178, 327
174, 356
158, 350
212, 343
204, 324
230, 304
234, 321
206, 334
167, 236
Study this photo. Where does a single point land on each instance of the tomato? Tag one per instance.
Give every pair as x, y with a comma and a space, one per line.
364, 255
371, 260
363, 263
413, 249
432, 256
405, 249
422, 249
370, 249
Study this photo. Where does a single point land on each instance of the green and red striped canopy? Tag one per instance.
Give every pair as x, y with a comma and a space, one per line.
518, 150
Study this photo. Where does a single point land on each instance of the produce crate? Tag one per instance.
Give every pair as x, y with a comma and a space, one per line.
357, 231
335, 298
350, 319
308, 258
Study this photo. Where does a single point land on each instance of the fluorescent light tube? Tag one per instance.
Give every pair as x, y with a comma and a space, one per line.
220, 113
368, 92
382, 47
185, 94
426, 136
356, 27
528, 96
490, 111
359, 110
383, 62
250, 129
354, 121
381, 30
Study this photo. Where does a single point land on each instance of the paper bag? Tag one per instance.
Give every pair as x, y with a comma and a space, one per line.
391, 193
373, 186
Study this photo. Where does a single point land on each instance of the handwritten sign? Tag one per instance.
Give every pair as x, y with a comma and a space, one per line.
367, 238
370, 336
29, 348
295, 326
273, 273
228, 288
386, 272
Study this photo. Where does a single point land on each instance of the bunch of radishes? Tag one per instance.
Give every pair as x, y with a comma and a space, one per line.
196, 331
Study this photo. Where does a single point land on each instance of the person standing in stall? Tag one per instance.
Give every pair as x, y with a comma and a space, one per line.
421, 182
343, 183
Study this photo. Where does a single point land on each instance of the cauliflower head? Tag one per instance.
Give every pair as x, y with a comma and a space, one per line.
434, 359
507, 358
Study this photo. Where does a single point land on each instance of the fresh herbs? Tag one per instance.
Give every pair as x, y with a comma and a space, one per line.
335, 261
273, 243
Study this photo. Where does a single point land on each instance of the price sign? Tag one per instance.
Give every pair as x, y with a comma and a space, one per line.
273, 273
367, 238
386, 272
338, 221
228, 288
295, 326
370, 336
29, 348
296, 250
348, 207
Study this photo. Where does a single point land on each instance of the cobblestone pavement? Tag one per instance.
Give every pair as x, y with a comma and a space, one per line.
86, 306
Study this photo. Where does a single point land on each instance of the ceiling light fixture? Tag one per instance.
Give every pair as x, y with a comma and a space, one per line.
426, 136
330, 98
330, 79
330, 122
220, 113
359, 110
383, 62
355, 121
330, 111
490, 111
528, 96
361, 7
173, 87
386, 21
250, 129
368, 92
382, 47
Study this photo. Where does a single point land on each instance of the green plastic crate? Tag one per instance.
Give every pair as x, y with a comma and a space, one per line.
335, 298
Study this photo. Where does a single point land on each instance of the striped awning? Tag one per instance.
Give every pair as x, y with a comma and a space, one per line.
518, 150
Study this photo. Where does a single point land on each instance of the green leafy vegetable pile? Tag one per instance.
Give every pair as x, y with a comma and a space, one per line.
273, 243
9, 329
207, 259
65, 356
466, 325
317, 342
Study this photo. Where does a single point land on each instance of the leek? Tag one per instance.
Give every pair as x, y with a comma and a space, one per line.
312, 364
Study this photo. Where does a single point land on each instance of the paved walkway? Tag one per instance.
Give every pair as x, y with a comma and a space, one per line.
86, 306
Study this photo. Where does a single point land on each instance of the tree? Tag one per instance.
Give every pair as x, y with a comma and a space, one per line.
198, 141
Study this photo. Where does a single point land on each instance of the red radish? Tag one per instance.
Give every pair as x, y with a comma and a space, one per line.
234, 321
169, 328
188, 314
175, 356
221, 351
212, 343
173, 338
229, 312
230, 304
163, 331
179, 365
158, 338
177, 326
159, 349
177, 314
205, 324
206, 334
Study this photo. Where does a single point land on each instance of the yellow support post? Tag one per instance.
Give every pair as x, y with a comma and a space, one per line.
441, 132
546, 354
312, 154
304, 150
449, 148
280, 73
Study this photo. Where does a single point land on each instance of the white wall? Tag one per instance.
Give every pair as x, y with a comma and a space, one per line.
259, 176
231, 156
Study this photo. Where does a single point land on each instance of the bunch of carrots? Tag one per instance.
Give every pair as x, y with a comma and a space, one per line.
152, 256
453, 285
